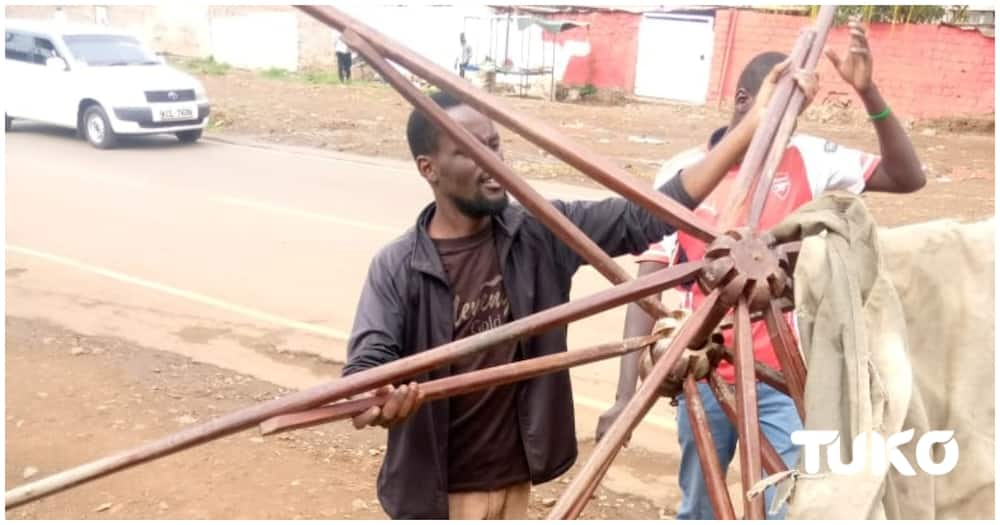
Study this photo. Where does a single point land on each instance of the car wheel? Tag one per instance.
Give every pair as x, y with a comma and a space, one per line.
97, 130
189, 136
7, 121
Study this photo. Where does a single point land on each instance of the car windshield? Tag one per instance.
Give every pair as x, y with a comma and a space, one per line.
109, 50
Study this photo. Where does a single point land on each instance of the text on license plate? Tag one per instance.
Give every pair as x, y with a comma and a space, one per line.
171, 114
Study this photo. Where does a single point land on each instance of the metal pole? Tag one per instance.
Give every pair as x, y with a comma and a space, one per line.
734, 212
770, 458
763, 186
462, 383
715, 478
552, 72
354, 384
506, 42
746, 410
787, 351
535, 131
764, 373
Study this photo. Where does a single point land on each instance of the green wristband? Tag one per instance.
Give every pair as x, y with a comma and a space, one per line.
881, 116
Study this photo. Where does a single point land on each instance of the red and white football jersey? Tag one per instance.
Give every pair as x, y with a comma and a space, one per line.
809, 167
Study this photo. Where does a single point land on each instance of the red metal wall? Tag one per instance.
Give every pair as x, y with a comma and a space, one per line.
613, 42
923, 70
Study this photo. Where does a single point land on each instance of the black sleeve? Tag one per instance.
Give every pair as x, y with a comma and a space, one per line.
377, 335
617, 225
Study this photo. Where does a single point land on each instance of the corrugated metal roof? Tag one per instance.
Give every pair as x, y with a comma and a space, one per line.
584, 8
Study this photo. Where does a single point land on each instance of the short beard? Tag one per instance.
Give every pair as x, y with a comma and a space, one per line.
479, 206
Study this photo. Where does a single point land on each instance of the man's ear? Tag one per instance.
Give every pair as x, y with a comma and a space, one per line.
425, 165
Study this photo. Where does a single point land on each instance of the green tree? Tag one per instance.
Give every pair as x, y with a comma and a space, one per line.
898, 14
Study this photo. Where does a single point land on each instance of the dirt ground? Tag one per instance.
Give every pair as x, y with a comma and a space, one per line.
72, 399
369, 118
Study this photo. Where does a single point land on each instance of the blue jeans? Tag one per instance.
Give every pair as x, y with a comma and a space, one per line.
778, 419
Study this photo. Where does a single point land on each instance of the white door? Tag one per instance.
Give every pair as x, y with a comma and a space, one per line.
21, 72
35, 91
54, 88
675, 57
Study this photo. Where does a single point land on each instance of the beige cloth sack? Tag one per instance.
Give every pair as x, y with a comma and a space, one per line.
896, 328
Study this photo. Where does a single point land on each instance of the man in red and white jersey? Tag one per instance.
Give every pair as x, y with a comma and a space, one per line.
809, 167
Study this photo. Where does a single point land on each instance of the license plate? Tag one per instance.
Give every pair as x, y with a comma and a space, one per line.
173, 114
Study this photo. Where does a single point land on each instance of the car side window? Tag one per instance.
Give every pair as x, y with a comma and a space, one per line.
19, 47
43, 50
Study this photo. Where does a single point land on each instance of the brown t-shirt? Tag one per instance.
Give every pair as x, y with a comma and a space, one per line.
484, 440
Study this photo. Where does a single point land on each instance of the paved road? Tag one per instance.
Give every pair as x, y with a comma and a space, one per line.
230, 252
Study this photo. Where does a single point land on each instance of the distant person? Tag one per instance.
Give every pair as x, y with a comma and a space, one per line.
464, 57
343, 60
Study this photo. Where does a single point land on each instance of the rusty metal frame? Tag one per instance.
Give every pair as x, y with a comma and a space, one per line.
746, 276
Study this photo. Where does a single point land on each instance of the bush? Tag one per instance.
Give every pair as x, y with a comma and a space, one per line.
275, 72
319, 76
206, 66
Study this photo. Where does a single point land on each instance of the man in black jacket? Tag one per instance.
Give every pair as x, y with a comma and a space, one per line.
471, 263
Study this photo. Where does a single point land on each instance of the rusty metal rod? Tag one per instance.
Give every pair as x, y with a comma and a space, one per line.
748, 426
764, 373
824, 22
793, 369
715, 478
776, 148
533, 130
734, 213
576, 495
460, 384
724, 394
763, 189
541, 208
783, 303
770, 377
355, 383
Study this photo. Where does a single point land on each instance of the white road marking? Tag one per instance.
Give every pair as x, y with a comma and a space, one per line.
184, 294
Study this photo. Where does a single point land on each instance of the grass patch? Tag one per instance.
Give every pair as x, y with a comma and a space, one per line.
217, 120
319, 76
275, 73
215, 124
205, 66
316, 77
